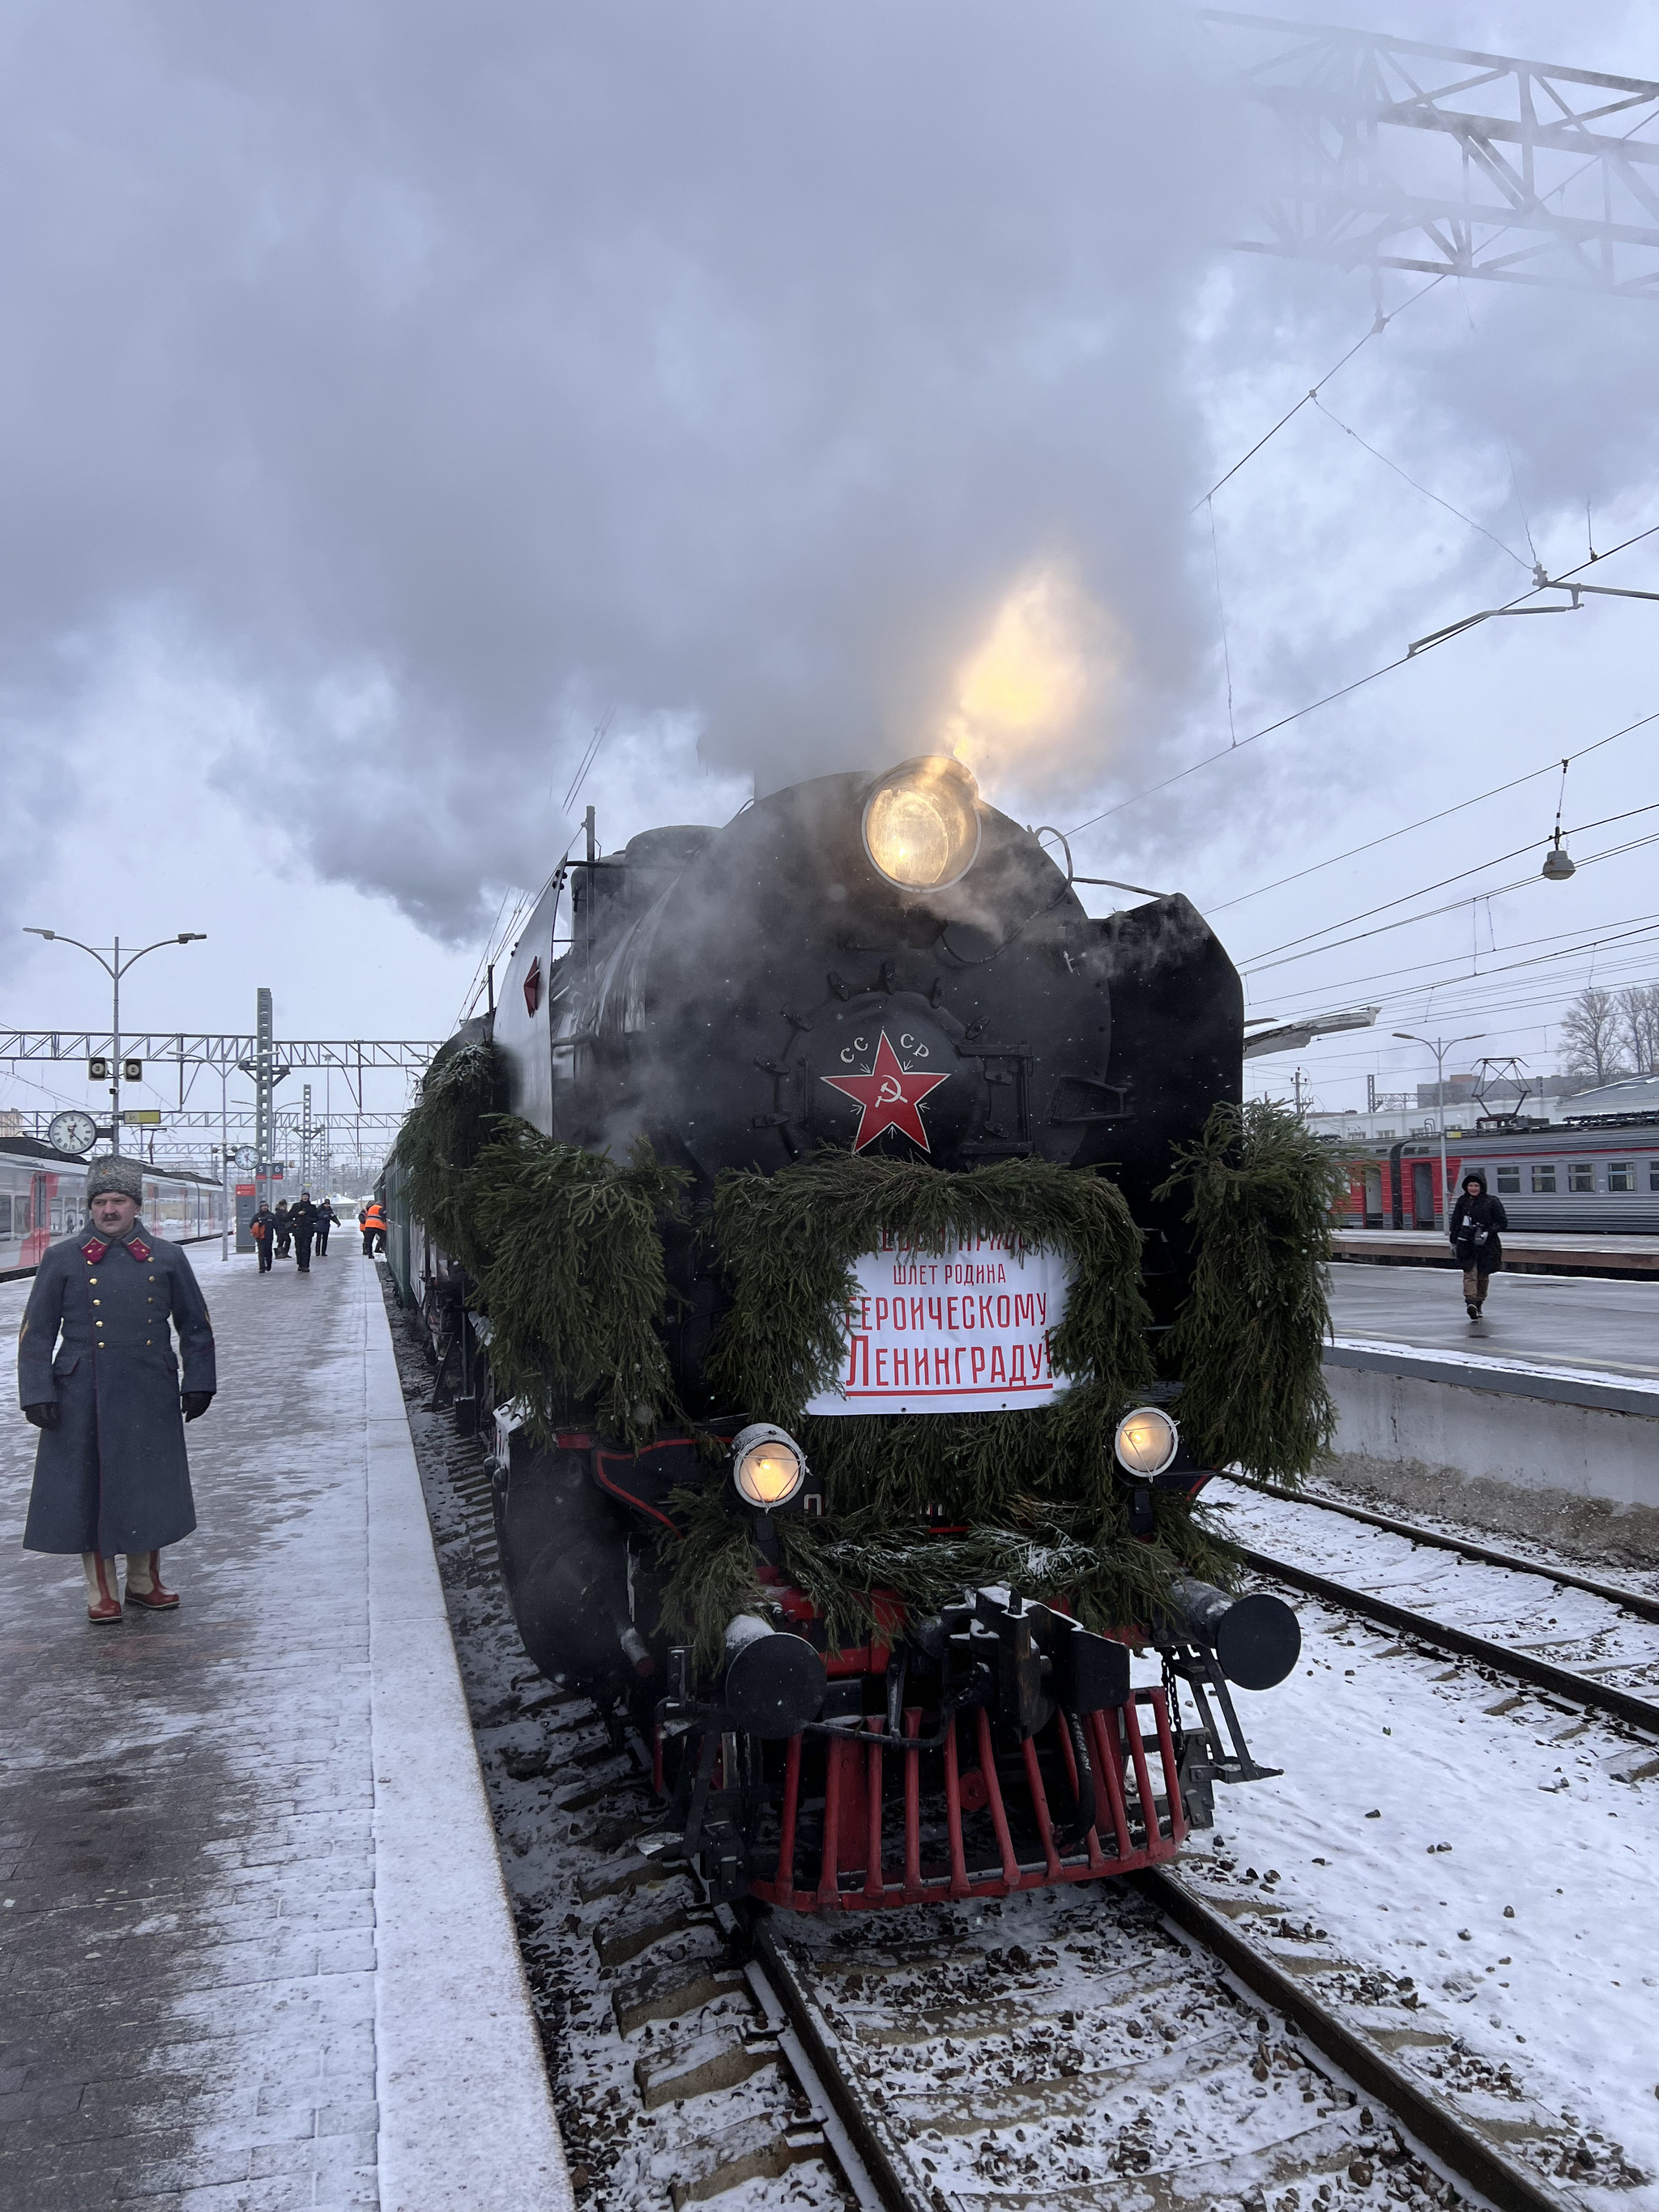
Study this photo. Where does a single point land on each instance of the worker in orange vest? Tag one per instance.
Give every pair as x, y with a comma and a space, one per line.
373, 1222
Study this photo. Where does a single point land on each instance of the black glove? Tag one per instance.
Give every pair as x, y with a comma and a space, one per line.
195, 1403
43, 1416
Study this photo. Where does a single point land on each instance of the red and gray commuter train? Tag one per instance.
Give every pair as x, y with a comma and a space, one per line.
43, 1198
1593, 1175
717, 991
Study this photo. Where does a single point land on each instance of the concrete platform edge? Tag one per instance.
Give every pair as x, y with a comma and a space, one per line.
465, 2115
1510, 1378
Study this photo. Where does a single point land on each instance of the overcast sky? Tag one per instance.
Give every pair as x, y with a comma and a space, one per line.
395, 395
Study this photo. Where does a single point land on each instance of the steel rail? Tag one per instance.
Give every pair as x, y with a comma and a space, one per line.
1646, 1609
1439, 2129
882, 2158
1542, 1673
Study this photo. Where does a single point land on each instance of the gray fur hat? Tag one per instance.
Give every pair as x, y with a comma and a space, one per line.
112, 1173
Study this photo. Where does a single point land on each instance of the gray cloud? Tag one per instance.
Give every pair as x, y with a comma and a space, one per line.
434, 382
445, 378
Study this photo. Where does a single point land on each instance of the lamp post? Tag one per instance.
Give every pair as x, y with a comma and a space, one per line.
115, 966
1440, 1046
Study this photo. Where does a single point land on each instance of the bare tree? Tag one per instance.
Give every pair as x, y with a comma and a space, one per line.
1590, 1039
1638, 1013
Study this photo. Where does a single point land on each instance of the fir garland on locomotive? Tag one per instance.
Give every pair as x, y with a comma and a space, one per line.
862, 1256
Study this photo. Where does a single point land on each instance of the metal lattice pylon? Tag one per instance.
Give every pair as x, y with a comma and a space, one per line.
1451, 162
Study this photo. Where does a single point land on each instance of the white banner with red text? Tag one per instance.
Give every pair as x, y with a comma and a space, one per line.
962, 1331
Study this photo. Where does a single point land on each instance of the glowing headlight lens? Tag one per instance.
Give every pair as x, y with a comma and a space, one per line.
921, 825
1145, 1441
768, 1465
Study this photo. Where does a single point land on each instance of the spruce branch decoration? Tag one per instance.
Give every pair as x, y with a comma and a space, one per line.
1249, 1342
851, 1565
573, 1283
440, 1140
789, 1241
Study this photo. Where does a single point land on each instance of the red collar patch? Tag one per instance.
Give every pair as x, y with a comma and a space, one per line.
138, 1246
888, 1097
94, 1249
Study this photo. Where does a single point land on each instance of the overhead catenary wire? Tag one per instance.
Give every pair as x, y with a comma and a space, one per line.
1453, 906
1449, 1004
1329, 698
1379, 325
1441, 814
1466, 518
1495, 860
1638, 928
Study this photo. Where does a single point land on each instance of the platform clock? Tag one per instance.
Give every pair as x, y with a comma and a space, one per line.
72, 1131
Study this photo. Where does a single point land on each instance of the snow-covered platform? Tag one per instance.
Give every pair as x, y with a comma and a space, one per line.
255, 1951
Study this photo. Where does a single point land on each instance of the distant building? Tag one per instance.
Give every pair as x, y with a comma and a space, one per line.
11, 1123
1388, 1123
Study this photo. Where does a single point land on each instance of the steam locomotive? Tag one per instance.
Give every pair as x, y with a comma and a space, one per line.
886, 965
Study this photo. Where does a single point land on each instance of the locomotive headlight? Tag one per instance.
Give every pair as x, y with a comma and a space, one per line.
768, 1465
1145, 1441
922, 824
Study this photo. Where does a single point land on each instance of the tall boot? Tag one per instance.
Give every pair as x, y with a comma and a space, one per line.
103, 1589
145, 1586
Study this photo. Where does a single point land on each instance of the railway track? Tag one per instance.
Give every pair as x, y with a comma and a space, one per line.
1182, 2043
1634, 1601
1136, 2049
1594, 1629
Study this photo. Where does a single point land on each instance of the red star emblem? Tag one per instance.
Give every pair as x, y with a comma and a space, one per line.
890, 1097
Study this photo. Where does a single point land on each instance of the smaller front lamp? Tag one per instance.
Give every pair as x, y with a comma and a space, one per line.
768, 1465
1145, 1442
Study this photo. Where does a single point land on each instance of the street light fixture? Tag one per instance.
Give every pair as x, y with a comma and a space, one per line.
115, 966
1440, 1046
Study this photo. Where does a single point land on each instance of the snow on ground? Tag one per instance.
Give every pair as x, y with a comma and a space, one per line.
1540, 1925
1569, 1627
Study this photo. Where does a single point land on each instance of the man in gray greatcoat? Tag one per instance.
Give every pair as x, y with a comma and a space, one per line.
111, 1474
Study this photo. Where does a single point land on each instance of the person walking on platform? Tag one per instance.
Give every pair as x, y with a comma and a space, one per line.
303, 1222
282, 1225
97, 1375
261, 1229
373, 1219
1473, 1227
326, 1217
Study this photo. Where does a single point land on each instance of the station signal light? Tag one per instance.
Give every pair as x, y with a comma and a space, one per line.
97, 1071
132, 1071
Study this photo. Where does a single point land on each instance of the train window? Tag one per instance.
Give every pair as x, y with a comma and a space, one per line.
1543, 1180
1509, 1180
5, 1213
1653, 1175
1581, 1175
1621, 1176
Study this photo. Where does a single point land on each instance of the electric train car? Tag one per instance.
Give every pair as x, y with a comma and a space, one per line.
1594, 1175
43, 1198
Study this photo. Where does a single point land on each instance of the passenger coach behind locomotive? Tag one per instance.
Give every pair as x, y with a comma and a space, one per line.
885, 966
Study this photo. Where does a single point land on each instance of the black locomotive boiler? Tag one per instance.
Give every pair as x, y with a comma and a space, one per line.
885, 966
